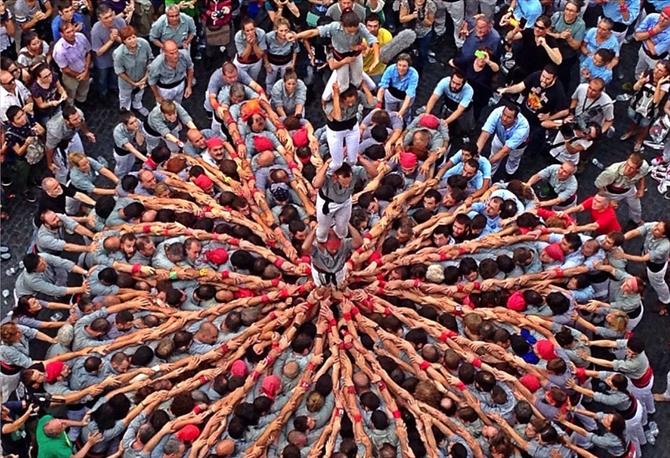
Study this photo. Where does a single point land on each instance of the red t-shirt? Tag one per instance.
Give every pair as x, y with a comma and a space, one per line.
606, 219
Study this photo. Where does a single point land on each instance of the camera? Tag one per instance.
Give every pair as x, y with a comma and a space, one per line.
41, 399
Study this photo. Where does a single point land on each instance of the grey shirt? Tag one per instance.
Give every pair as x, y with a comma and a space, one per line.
51, 240
28, 284
157, 121
100, 36
336, 193
133, 64
58, 130
17, 354
280, 98
160, 73
82, 339
342, 41
323, 261
162, 31
241, 42
657, 248
563, 188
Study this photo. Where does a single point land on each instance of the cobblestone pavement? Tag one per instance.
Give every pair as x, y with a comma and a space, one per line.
102, 117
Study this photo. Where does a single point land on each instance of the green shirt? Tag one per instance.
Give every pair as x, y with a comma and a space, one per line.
52, 447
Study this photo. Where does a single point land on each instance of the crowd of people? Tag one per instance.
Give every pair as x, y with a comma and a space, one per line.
369, 279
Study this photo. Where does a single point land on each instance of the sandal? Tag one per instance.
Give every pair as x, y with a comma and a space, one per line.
5, 256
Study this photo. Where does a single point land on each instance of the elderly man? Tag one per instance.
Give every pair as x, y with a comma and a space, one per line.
131, 65
54, 196
72, 53
63, 138
560, 185
171, 74
625, 181
173, 26
53, 442
654, 33
13, 93
104, 39
510, 131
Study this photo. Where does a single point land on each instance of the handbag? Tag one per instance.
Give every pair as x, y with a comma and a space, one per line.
219, 36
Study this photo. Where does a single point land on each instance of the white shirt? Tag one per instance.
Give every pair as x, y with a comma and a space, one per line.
19, 97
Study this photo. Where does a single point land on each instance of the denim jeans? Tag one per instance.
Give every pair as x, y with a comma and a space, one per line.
423, 44
105, 79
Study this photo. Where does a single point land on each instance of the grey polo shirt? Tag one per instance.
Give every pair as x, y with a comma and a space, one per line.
323, 261
17, 354
133, 64
58, 130
162, 31
276, 47
658, 248
563, 189
99, 36
280, 98
342, 41
51, 240
337, 193
43, 282
161, 73
241, 42
157, 121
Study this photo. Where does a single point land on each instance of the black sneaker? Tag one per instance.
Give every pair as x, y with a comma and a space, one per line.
29, 195
7, 180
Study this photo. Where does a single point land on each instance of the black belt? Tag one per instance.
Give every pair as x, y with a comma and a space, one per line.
340, 126
616, 189
629, 413
150, 130
279, 59
121, 151
397, 93
330, 277
341, 55
9, 369
169, 85
635, 313
654, 56
325, 210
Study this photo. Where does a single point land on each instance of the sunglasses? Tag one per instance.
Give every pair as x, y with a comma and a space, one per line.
540, 27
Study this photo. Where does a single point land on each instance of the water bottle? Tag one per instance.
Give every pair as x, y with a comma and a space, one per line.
597, 163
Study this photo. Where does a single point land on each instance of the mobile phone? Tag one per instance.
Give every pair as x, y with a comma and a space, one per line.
479, 54
514, 22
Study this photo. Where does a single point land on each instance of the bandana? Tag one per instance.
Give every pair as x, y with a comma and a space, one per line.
217, 256
53, 371
555, 252
408, 160
429, 121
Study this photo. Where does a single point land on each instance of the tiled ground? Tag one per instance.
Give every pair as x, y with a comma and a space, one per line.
103, 117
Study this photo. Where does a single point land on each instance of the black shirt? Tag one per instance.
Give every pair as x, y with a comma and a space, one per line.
529, 56
538, 99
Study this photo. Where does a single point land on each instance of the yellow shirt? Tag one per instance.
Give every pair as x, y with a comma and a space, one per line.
383, 38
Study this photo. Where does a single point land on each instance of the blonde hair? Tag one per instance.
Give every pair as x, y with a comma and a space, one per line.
75, 158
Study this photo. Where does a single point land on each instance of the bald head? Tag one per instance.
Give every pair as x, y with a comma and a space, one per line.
207, 333
225, 447
297, 438
54, 427
361, 381
291, 369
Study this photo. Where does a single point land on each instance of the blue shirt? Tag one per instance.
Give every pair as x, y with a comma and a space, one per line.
407, 83
659, 4
472, 43
529, 10
484, 164
462, 97
591, 45
474, 184
513, 136
662, 39
77, 18
492, 223
611, 10
603, 72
